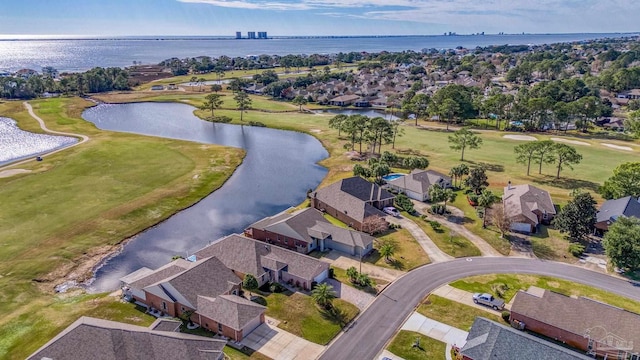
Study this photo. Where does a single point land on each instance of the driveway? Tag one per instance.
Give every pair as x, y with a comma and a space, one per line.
480, 243
435, 330
281, 345
429, 247
343, 261
345, 292
466, 298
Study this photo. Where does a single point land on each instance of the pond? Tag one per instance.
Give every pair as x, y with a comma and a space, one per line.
366, 112
16, 144
279, 167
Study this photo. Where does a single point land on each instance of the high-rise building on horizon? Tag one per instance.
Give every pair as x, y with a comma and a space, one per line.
262, 35
251, 34
238, 35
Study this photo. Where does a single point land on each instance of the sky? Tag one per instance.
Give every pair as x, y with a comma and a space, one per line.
314, 17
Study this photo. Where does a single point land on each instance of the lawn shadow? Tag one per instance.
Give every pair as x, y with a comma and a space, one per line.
566, 183
335, 315
487, 166
542, 250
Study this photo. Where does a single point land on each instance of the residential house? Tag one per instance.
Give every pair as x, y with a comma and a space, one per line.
633, 94
611, 210
26, 73
489, 340
197, 287
353, 201
307, 230
267, 263
344, 100
527, 206
96, 339
417, 183
597, 328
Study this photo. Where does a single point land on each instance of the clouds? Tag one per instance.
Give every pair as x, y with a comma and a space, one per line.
467, 15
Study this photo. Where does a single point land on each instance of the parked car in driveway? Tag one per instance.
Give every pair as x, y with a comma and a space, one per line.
391, 211
488, 300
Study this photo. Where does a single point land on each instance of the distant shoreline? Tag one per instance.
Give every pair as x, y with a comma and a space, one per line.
222, 37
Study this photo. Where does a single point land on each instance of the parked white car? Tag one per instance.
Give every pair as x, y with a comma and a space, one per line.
391, 211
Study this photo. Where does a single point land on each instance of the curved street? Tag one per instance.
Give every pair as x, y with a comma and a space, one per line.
375, 326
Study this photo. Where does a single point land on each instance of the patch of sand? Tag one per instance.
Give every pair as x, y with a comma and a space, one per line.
520, 137
11, 172
315, 130
573, 142
618, 147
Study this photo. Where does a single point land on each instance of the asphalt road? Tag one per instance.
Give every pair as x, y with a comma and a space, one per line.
375, 326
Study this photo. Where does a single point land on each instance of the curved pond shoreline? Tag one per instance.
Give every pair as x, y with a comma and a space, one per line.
278, 168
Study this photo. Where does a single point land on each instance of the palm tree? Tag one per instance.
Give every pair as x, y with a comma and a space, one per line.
485, 201
323, 295
387, 250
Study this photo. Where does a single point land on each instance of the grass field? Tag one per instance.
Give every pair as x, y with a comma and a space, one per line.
77, 205
482, 283
430, 349
300, 315
408, 254
456, 246
453, 313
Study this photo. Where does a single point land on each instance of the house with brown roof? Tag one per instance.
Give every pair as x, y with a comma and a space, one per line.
416, 184
527, 206
596, 328
266, 262
307, 230
353, 201
96, 339
344, 100
185, 286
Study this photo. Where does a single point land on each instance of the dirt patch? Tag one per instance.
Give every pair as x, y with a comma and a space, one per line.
613, 146
573, 142
11, 172
315, 131
520, 137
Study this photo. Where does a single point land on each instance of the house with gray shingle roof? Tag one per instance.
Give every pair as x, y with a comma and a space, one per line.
582, 323
352, 201
527, 206
96, 339
416, 184
307, 230
266, 262
489, 340
238, 313
175, 292
611, 210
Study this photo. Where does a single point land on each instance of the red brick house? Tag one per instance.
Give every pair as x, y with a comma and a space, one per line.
206, 288
596, 328
307, 230
527, 207
353, 201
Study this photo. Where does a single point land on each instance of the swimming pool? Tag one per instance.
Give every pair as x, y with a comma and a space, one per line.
392, 177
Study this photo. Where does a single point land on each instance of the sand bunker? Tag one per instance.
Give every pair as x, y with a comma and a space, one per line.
573, 142
520, 137
315, 130
618, 147
11, 172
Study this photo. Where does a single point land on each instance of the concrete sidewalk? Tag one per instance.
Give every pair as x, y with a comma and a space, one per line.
435, 330
465, 297
350, 294
435, 254
281, 345
343, 261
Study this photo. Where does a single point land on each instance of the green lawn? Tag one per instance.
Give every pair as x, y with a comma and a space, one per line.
456, 246
300, 315
453, 313
482, 283
77, 205
408, 254
430, 349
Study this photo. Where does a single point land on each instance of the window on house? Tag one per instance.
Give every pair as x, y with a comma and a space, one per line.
164, 305
182, 308
286, 241
220, 328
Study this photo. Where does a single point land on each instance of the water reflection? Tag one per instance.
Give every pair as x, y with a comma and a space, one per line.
17, 144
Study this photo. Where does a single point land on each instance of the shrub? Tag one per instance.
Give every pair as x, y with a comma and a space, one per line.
404, 203
505, 316
576, 249
473, 199
276, 288
259, 300
363, 280
257, 123
499, 289
438, 209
